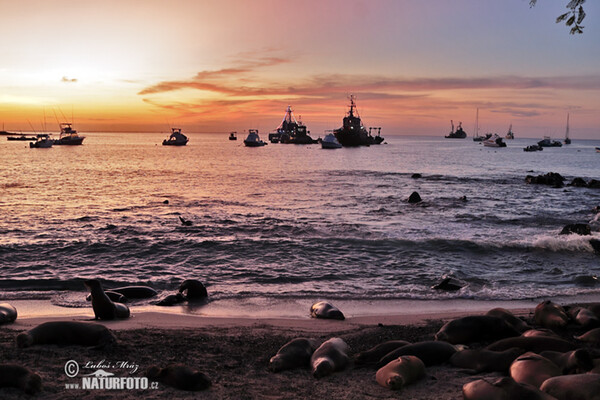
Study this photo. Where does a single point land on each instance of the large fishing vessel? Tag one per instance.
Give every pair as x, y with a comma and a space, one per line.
353, 132
290, 130
68, 135
458, 134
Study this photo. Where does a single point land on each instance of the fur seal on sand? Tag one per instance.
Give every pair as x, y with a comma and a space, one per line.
374, 354
540, 332
114, 296
171, 300
193, 289
105, 308
571, 387
583, 317
501, 389
550, 315
533, 369
323, 309
8, 313
67, 333
400, 372
591, 336
430, 352
537, 344
482, 360
475, 328
12, 375
329, 357
136, 292
179, 376
572, 362
517, 323
294, 354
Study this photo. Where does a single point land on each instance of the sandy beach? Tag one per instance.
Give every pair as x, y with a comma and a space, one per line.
234, 352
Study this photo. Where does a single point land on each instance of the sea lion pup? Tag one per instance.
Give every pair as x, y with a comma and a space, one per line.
536, 344
591, 336
504, 388
171, 300
475, 328
8, 313
67, 333
430, 352
329, 357
482, 360
323, 309
583, 317
12, 375
517, 323
572, 362
400, 372
533, 369
374, 354
193, 289
136, 292
550, 315
294, 354
573, 387
114, 296
540, 332
179, 376
104, 308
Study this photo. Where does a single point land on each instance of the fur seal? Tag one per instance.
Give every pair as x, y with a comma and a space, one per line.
374, 354
583, 317
8, 313
193, 289
322, 309
482, 360
136, 292
504, 388
517, 323
294, 354
591, 336
67, 333
329, 357
105, 308
114, 296
550, 315
12, 375
573, 387
540, 332
475, 328
430, 352
400, 372
179, 376
533, 369
537, 344
572, 362
171, 300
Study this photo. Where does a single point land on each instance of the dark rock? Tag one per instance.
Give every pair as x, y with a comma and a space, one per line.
166, 202
447, 284
416, 176
596, 245
578, 182
553, 179
594, 184
580, 229
414, 198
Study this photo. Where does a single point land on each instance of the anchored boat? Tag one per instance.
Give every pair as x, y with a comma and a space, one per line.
68, 135
176, 138
352, 132
291, 131
253, 140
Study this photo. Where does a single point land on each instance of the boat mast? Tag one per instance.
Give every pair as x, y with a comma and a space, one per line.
477, 123
567, 130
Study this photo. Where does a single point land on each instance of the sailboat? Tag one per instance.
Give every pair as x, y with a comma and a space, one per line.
510, 134
567, 140
477, 138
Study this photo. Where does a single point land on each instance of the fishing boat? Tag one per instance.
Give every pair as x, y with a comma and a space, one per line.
233, 136
567, 140
253, 140
494, 141
458, 134
176, 138
509, 135
42, 141
330, 142
547, 142
353, 133
533, 147
68, 135
291, 131
22, 138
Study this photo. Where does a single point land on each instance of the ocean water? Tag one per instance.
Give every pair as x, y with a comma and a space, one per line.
293, 221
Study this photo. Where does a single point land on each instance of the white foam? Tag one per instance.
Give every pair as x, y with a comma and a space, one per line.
565, 242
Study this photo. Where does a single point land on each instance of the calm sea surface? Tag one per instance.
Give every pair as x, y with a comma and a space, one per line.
291, 221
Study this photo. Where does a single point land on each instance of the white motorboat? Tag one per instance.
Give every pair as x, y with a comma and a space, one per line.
330, 142
494, 141
43, 141
253, 140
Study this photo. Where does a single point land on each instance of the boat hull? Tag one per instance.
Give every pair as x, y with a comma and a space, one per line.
69, 141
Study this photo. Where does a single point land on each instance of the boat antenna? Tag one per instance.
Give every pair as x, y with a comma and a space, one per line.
55, 116
61, 113
32, 128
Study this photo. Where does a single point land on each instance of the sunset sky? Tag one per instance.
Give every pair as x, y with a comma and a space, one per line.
232, 65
